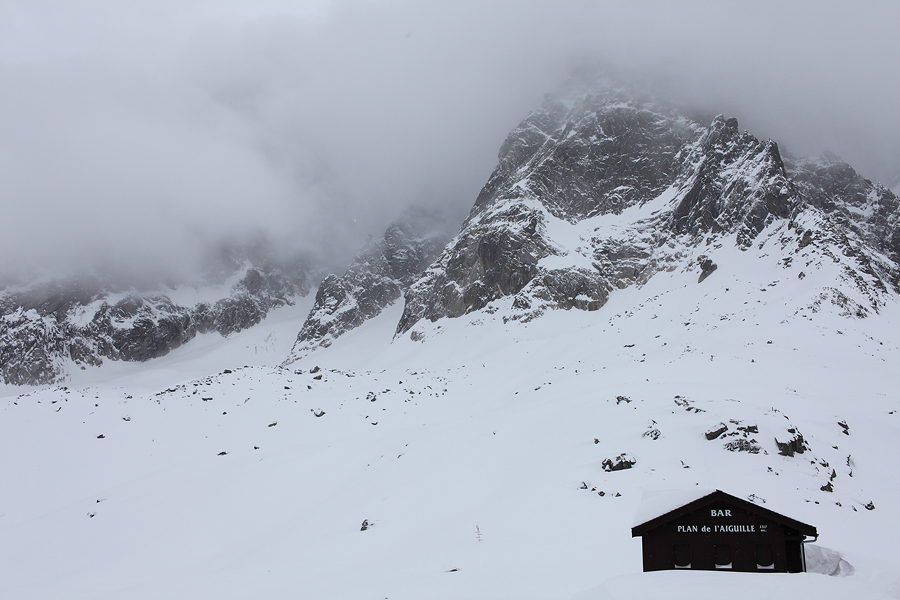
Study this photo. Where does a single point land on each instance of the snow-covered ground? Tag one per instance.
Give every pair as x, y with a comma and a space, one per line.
473, 455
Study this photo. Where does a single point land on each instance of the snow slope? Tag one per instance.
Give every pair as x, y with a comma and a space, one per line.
474, 453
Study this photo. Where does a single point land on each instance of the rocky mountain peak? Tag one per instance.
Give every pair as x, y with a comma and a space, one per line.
376, 278
600, 192
593, 192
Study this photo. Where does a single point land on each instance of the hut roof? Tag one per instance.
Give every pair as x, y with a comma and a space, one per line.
658, 508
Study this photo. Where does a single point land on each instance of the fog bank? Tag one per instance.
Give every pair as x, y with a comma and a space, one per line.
138, 134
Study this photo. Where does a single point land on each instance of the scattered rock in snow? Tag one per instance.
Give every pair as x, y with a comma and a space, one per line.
653, 434
619, 463
707, 266
743, 445
716, 431
795, 445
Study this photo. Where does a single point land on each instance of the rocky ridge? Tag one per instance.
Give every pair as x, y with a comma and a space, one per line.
592, 193
46, 328
598, 193
377, 278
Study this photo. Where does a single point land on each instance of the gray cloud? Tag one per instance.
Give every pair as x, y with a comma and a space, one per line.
135, 134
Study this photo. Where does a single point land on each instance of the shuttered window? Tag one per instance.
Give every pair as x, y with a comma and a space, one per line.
682, 556
723, 556
765, 557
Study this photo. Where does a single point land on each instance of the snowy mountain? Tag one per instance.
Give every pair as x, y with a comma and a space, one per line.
670, 192
376, 279
637, 302
597, 193
51, 327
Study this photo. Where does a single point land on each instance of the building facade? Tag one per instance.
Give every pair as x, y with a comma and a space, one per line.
718, 531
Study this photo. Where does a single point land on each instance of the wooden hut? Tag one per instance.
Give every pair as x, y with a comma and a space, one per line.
717, 531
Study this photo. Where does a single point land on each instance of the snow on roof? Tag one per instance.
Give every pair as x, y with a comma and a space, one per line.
655, 503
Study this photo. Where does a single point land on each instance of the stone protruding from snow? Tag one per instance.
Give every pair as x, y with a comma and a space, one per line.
619, 463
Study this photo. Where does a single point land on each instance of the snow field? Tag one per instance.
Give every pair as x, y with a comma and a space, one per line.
482, 424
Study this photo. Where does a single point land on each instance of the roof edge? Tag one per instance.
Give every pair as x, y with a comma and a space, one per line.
641, 528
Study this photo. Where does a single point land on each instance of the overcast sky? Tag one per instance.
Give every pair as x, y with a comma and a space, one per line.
137, 133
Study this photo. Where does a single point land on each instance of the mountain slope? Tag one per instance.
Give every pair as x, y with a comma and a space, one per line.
48, 329
377, 277
589, 169
479, 423
736, 324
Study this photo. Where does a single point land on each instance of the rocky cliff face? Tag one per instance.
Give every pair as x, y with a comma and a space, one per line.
377, 277
597, 193
47, 328
861, 217
592, 193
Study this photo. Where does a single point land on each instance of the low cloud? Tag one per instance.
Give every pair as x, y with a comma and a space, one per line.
136, 135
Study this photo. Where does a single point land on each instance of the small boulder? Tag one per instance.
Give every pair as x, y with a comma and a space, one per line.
619, 463
716, 431
707, 267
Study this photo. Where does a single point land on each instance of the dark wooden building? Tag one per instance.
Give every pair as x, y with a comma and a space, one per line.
718, 531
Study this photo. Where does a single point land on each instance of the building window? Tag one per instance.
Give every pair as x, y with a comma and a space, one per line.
765, 557
723, 556
682, 556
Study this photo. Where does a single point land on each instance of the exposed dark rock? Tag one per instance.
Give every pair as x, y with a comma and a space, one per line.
601, 154
795, 445
858, 214
653, 433
716, 431
743, 445
46, 328
707, 266
376, 278
608, 152
737, 183
622, 461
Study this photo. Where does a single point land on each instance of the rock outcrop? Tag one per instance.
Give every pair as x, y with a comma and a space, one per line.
643, 183
377, 278
47, 328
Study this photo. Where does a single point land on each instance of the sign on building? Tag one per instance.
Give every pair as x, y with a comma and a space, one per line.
718, 531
